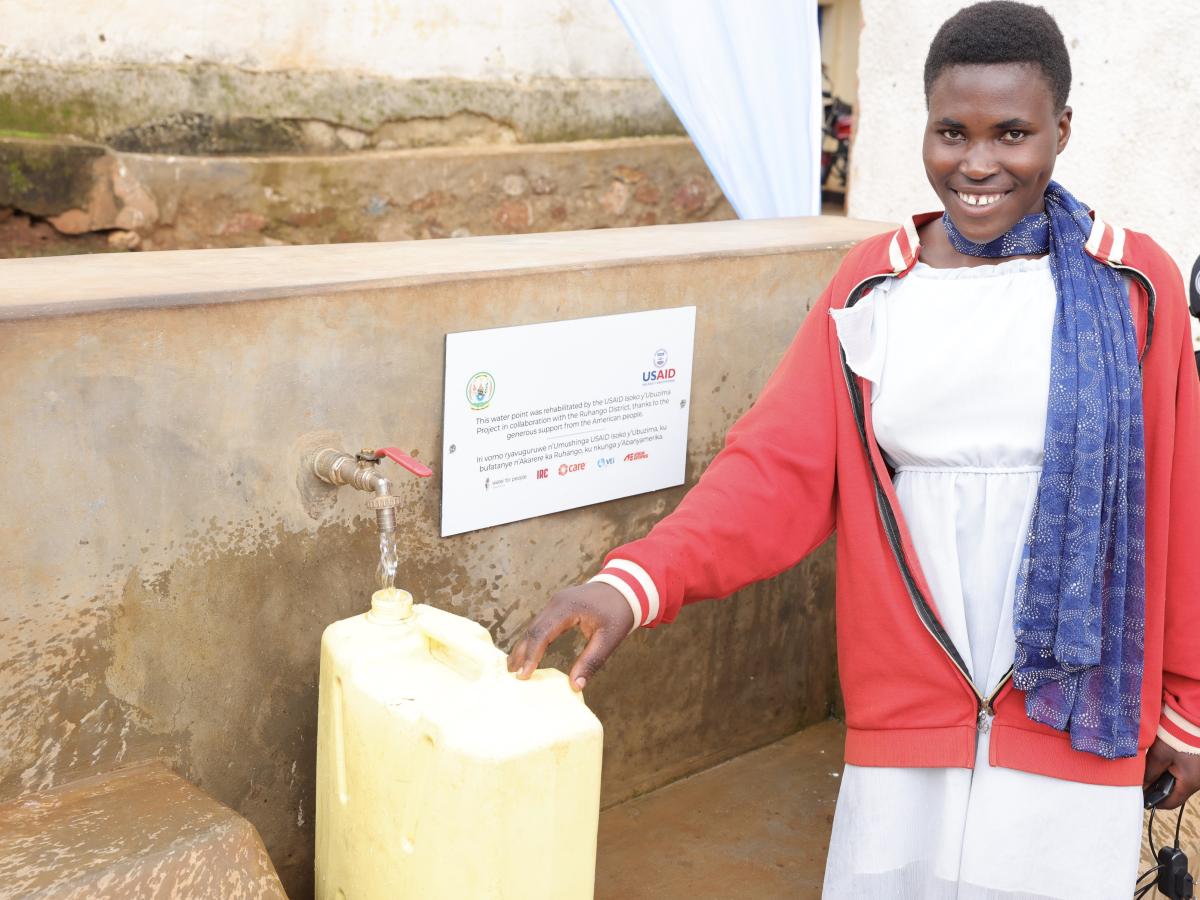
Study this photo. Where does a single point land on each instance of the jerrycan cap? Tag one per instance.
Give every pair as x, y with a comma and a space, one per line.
390, 606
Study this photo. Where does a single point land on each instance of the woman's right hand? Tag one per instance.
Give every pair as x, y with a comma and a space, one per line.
598, 610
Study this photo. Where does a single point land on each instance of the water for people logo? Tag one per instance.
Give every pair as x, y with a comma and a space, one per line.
480, 390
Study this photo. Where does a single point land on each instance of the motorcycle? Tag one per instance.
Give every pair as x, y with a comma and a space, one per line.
837, 126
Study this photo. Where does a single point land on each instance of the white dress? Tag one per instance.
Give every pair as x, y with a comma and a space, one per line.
959, 361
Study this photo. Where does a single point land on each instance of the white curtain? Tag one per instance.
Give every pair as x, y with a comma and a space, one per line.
744, 77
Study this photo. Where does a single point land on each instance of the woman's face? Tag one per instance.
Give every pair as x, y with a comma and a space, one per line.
990, 144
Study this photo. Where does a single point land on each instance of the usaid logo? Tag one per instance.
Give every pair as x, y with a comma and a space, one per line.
660, 373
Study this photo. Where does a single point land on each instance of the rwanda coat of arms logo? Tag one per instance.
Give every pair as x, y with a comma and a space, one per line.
480, 390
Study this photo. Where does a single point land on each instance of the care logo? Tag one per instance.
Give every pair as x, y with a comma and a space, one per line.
568, 468
480, 390
660, 373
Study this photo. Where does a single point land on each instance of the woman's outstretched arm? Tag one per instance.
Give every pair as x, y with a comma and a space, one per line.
765, 501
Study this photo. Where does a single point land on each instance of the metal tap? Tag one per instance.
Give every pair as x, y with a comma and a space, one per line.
361, 471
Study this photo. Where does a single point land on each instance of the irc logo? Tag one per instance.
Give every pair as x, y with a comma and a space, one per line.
543, 473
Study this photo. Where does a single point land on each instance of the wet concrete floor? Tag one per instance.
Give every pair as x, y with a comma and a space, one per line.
755, 827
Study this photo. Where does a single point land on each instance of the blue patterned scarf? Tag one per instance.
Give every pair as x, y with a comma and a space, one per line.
1081, 591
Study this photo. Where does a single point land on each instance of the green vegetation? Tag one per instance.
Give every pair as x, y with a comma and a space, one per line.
15, 179
45, 177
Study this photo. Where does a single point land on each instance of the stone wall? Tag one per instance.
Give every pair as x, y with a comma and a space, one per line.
164, 588
87, 197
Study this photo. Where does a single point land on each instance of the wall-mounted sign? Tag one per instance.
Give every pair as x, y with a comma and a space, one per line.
542, 418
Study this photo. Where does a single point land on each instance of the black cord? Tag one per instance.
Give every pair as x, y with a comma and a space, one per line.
1153, 871
1147, 873
1141, 892
1150, 834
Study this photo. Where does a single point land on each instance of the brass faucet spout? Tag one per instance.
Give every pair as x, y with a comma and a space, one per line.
362, 473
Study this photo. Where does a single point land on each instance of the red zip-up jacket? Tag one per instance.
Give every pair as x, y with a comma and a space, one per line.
803, 463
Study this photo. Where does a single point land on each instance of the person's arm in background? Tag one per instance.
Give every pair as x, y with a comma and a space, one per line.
765, 501
1194, 307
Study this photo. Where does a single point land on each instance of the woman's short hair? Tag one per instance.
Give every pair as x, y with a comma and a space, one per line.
1002, 31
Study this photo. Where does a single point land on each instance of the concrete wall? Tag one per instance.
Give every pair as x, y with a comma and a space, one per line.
163, 589
491, 39
1136, 96
135, 74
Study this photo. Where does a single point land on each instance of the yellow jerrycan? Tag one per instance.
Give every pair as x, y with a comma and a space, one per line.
440, 774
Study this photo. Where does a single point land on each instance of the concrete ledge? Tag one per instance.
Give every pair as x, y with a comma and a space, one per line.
138, 832
82, 284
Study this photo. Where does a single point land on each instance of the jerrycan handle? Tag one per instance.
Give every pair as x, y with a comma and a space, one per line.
462, 645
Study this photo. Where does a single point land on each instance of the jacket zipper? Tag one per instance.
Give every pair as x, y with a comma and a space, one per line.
987, 709
892, 530
1151, 303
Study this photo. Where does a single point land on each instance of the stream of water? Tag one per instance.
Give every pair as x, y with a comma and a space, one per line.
389, 559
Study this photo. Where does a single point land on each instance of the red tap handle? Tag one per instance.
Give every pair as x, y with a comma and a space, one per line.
398, 456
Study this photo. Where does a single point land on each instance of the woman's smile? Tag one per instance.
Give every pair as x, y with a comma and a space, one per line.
980, 201
975, 206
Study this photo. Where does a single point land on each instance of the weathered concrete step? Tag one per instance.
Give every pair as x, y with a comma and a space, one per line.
138, 832
755, 827
167, 202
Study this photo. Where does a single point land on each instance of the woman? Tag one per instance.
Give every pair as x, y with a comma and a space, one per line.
997, 409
